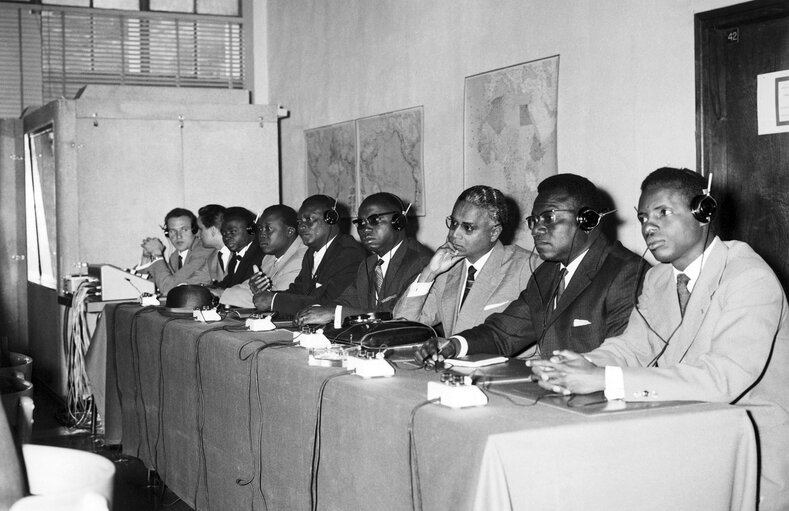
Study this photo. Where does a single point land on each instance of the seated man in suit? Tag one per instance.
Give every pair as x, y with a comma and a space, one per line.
383, 276
472, 258
328, 267
238, 234
209, 220
187, 263
712, 324
283, 252
582, 293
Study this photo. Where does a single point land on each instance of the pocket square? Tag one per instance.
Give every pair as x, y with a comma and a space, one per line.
580, 322
494, 305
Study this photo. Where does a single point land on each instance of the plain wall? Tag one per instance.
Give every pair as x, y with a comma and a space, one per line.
626, 81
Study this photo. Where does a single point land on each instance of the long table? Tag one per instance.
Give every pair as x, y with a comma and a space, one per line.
228, 420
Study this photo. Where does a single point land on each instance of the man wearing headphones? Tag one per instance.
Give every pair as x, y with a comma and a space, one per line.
328, 267
472, 258
381, 278
238, 234
283, 252
581, 294
187, 263
712, 324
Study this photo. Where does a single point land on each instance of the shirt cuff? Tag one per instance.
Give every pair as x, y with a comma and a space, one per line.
463, 346
146, 265
614, 383
419, 289
338, 316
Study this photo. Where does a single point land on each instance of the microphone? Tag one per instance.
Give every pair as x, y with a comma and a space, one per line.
604, 213
487, 381
127, 279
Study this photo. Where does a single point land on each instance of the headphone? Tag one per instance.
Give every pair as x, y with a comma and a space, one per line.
252, 229
331, 216
400, 219
588, 218
195, 228
702, 207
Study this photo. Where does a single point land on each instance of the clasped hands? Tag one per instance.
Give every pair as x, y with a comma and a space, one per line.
151, 249
435, 350
567, 372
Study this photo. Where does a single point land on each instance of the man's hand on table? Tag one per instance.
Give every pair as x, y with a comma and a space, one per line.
567, 373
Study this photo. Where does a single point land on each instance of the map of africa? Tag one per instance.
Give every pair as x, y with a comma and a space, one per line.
510, 132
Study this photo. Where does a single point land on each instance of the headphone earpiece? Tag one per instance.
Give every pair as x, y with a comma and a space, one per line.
252, 229
702, 207
588, 219
331, 216
400, 220
166, 232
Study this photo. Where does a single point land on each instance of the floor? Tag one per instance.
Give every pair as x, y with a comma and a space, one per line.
133, 490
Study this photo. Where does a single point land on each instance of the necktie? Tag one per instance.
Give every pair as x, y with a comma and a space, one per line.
469, 283
682, 292
180, 262
559, 289
231, 266
379, 277
221, 262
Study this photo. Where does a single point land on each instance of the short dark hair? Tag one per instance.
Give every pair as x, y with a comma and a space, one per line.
211, 215
385, 199
582, 191
488, 198
239, 213
179, 212
321, 201
687, 182
286, 213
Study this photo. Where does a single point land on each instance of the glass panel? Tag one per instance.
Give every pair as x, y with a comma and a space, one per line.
221, 7
173, 5
129, 5
40, 206
79, 3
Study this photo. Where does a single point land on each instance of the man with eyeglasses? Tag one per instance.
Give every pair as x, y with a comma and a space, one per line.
328, 266
187, 264
581, 294
382, 277
473, 274
283, 252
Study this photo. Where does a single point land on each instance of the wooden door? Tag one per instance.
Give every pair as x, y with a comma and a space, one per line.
751, 172
13, 267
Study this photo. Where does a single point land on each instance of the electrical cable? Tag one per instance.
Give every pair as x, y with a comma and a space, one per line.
76, 343
413, 462
316, 445
253, 358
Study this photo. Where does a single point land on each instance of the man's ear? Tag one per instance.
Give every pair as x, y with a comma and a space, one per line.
495, 232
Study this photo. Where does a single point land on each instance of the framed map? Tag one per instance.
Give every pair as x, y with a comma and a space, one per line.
390, 156
509, 135
331, 162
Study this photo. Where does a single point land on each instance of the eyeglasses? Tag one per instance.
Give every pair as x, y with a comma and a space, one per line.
468, 228
371, 220
546, 218
307, 222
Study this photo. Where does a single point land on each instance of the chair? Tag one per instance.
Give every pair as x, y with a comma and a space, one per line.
58, 479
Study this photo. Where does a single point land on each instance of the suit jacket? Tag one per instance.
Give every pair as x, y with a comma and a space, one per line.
244, 269
405, 265
500, 281
166, 275
216, 270
732, 346
336, 272
282, 273
596, 304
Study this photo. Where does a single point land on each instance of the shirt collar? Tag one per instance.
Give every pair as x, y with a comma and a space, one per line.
573, 266
480, 262
241, 253
693, 270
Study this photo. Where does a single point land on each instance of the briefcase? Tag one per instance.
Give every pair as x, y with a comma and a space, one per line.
381, 334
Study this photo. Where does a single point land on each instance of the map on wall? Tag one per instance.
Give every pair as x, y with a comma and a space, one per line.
331, 162
510, 132
390, 156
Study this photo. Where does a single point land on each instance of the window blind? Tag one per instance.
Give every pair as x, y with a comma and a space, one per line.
20, 61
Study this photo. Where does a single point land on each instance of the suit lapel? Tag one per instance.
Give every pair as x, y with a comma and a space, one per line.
583, 276
451, 296
483, 288
700, 299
